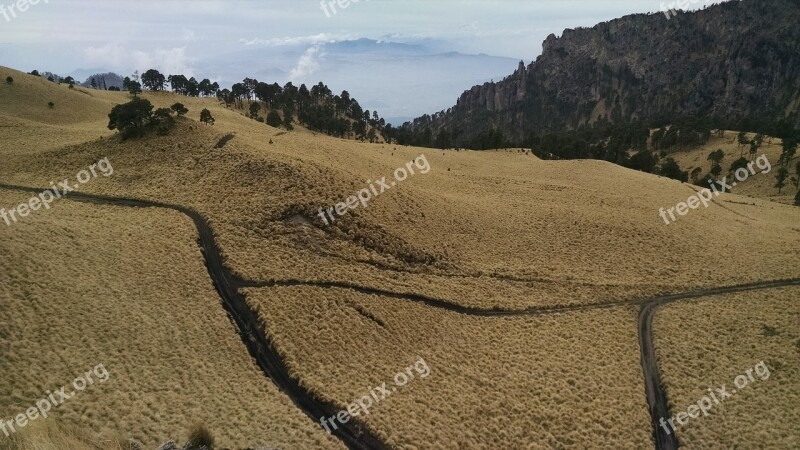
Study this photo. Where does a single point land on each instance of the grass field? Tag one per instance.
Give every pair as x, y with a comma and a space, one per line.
85, 285
492, 381
493, 229
709, 343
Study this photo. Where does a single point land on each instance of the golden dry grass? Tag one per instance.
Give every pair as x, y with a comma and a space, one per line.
29, 126
708, 343
542, 233
84, 285
51, 435
503, 229
560, 381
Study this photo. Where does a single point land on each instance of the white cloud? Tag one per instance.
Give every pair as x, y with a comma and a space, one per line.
306, 65
109, 55
117, 57
322, 38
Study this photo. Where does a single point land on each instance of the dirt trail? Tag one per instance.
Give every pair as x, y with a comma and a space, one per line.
355, 434
653, 385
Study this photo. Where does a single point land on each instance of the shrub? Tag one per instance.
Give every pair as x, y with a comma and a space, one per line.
274, 119
51, 105
179, 109
199, 437
206, 117
254, 108
112, 88
797, 199
131, 118
9, 80
163, 120
740, 163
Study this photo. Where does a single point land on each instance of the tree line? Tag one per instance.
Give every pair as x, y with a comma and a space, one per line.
318, 108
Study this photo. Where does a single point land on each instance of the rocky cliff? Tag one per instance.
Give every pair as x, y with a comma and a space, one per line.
732, 61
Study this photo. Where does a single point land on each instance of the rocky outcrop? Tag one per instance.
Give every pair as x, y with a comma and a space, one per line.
733, 61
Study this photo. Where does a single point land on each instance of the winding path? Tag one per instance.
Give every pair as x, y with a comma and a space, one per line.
355, 434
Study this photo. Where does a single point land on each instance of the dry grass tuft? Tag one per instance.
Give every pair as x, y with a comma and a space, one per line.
199, 438
51, 435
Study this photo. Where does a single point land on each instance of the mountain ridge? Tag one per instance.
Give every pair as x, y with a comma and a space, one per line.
735, 61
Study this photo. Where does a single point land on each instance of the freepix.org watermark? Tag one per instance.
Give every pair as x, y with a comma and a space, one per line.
55, 398
10, 11
365, 195
715, 397
55, 192
706, 195
329, 6
375, 395
670, 10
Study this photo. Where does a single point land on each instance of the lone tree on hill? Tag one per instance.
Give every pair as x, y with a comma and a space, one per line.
206, 117
131, 118
274, 119
179, 109
695, 175
9, 80
716, 156
780, 178
134, 88
796, 179
789, 150
742, 138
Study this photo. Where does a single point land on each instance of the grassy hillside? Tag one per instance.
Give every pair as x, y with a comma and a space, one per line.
759, 185
747, 329
127, 288
486, 230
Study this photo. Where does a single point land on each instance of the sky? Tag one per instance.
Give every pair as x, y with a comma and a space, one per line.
176, 36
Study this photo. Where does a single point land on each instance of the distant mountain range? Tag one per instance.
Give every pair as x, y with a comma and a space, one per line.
399, 80
736, 61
